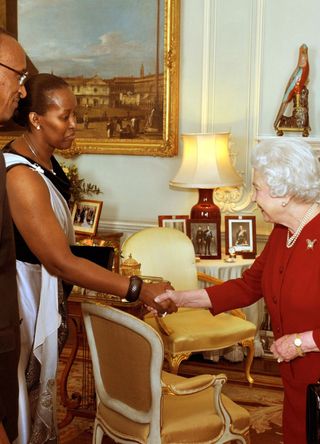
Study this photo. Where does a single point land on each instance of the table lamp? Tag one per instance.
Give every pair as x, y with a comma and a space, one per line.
206, 165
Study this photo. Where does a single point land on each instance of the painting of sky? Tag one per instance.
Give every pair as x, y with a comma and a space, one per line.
109, 38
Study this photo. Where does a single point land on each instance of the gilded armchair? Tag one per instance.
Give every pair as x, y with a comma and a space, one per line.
169, 253
138, 402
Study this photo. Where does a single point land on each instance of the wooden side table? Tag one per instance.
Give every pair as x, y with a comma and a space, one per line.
109, 239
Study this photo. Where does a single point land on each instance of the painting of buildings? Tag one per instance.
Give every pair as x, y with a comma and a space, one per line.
110, 53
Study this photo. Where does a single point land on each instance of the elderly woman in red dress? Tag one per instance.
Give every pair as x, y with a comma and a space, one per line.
286, 187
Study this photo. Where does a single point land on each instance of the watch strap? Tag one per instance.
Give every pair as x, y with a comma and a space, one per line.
297, 343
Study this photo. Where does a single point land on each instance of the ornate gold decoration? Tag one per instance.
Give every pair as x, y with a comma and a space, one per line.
175, 360
130, 267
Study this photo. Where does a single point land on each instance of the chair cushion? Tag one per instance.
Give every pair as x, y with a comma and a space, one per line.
198, 330
240, 417
193, 418
190, 419
117, 424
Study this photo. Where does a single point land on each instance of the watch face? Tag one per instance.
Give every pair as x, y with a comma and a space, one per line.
297, 342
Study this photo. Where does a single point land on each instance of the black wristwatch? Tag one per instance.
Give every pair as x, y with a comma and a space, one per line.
134, 288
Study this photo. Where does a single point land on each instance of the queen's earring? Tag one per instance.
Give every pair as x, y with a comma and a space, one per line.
283, 204
38, 127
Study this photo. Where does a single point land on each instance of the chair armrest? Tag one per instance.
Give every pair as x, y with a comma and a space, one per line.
215, 281
238, 313
194, 385
210, 279
165, 330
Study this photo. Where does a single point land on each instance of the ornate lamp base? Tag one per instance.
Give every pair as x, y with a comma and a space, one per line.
205, 208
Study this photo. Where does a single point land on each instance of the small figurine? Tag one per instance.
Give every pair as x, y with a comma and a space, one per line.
297, 92
130, 267
232, 255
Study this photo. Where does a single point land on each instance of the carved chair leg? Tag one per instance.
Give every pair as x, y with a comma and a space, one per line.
174, 360
249, 344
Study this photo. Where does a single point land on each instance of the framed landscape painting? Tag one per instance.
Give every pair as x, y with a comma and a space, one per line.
121, 60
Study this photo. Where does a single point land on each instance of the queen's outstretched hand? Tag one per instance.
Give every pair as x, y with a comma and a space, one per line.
189, 298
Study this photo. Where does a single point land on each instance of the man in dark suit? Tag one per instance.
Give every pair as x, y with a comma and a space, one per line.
12, 76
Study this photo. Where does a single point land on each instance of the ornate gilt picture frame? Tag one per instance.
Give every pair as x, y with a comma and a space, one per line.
132, 110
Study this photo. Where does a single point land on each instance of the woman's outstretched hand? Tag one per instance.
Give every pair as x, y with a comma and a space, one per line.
191, 298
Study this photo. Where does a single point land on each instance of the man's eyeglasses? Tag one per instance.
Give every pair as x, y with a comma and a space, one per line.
22, 74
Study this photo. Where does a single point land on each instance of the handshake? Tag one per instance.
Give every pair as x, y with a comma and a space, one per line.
161, 299
156, 298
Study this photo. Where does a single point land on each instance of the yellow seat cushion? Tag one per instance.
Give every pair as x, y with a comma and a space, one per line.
196, 420
117, 423
198, 330
185, 419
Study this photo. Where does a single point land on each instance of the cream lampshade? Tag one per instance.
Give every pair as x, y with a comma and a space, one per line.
206, 165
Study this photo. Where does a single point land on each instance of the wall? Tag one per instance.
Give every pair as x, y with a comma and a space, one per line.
236, 59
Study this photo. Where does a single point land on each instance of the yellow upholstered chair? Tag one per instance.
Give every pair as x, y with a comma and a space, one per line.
139, 403
169, 253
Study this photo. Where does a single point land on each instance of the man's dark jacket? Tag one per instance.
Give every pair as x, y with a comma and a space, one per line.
9, 316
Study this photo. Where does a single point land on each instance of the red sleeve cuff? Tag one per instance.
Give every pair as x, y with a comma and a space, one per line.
316, 337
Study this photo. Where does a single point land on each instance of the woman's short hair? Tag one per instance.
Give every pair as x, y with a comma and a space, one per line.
38, 98
289, 168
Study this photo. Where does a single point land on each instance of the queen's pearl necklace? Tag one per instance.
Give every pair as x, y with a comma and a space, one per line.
306, 218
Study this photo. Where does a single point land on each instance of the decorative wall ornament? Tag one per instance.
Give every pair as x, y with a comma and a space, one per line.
228, 197
234, 199
297, 93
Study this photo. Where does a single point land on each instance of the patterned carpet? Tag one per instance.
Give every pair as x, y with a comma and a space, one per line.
265, 407
78, 427
263, 400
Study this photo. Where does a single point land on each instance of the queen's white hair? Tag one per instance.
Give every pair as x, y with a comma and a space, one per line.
289, 168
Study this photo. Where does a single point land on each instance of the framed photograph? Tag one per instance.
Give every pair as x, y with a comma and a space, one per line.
177, 222
121, 60
85, 216
241, 235
206, 238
